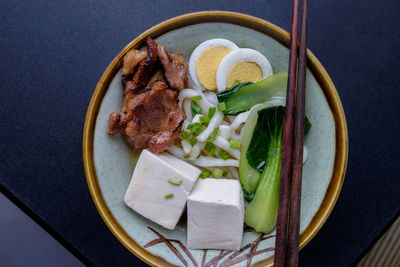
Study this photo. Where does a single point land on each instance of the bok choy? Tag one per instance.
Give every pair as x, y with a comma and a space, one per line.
260, 164
241, 97
264, 153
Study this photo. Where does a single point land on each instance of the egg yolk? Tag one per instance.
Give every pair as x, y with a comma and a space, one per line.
207, 65
244, 72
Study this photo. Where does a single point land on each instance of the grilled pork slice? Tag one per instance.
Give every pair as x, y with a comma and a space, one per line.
150, 119
156, 121
150, 116
118, 121
175, 68
145, 69
131, 59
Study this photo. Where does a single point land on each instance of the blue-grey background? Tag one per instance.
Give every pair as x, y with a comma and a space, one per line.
52, 54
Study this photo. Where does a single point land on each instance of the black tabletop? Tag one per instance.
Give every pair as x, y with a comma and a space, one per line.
53, 52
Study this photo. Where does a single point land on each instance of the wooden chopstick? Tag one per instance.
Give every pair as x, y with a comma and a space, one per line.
288, 223
287, 147
292, 255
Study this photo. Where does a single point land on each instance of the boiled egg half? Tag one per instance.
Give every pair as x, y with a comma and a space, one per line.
206, 59
244, 65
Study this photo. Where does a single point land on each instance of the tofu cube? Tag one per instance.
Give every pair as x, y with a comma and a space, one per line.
149, 187
215, 215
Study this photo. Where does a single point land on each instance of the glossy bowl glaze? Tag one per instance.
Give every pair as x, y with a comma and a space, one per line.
109, 161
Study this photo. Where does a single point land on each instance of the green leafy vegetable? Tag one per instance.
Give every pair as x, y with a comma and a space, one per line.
222, 106
245, 95
259, 145
263, 154
261, 213
307, 125
248, 196
224, 96
249, 177
250, 173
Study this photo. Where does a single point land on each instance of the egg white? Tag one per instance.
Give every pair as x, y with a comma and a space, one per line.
239, 55
200, 49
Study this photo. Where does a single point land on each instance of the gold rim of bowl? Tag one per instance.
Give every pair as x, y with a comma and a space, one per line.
240, 19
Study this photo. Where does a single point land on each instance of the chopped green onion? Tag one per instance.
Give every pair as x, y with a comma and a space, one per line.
211, 112
174, 181
201, 128
186, 156
204, 119
234, 144
196, 127
196, 97
217, 173
185, 135
204, 174
196, 109
222, 106
210, 149
169, 196
222, 154
193, 141
214, 135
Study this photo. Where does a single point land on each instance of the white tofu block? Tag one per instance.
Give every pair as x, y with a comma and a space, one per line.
215, 215
149, 186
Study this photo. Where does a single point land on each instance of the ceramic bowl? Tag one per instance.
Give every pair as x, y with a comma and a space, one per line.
109, 161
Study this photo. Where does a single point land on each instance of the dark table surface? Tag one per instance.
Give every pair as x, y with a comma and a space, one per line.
53, 52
